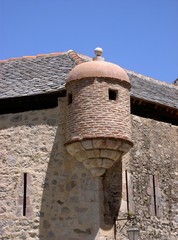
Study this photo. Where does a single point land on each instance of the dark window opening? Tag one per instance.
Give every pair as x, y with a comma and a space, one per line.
150, 110
112, 94
24, 194
28, 103
69, 98
154, 195
127, 190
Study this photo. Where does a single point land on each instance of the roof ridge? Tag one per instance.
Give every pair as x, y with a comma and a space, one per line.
33, 57
151, 79
74, 56
78, 58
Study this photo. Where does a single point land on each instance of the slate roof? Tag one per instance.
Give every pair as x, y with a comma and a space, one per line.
153, 91
47, 73
29, 76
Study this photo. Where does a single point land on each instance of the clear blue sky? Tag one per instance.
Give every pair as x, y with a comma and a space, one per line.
139, 35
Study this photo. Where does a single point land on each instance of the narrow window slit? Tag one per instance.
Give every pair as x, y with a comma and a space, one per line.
112, 94
127, 190
24, 194
70, 98
154, 195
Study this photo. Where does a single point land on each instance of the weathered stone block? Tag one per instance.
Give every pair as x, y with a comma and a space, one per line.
110, 154
74, 147
87, 144
97, 171
80, 156
93, 153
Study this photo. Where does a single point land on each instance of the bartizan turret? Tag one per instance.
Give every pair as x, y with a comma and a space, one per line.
98, 128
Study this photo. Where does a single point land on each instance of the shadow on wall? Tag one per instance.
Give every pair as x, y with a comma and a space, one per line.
112, 189
71, 206
72, 202
70, 197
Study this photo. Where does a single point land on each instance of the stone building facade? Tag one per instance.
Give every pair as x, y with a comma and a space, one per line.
45, 193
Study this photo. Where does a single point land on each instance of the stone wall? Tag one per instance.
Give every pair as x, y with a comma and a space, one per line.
153, 168
63, 200
26, 141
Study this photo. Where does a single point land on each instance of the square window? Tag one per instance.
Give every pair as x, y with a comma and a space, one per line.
112, 94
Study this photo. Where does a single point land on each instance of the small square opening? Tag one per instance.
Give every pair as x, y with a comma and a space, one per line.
69, 98
112, 94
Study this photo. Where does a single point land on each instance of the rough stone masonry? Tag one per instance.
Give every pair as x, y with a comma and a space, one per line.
63, 201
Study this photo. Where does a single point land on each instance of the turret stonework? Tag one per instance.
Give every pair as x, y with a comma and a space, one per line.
98, 122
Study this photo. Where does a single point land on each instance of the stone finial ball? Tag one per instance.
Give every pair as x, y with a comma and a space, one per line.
98, 51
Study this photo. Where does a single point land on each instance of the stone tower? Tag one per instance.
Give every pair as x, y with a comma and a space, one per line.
98, 123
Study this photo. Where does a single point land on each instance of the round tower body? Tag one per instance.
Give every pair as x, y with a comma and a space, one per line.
98, 123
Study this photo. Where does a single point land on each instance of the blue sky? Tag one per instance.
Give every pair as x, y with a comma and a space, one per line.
139, 35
